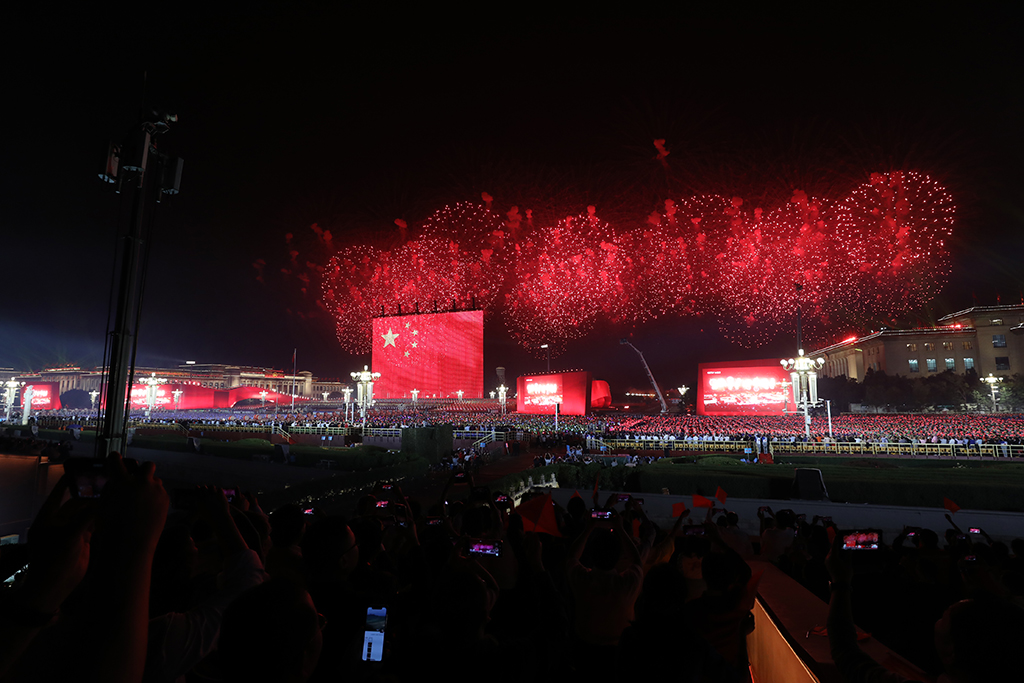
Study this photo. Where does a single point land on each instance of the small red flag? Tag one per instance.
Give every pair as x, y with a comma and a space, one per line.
636, 528
576, 494
596, 480
678, 509
721, 495
950, 505
701, 502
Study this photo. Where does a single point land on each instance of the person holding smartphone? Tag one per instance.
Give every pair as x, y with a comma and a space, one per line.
604, 595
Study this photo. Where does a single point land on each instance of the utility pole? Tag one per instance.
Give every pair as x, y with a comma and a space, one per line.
135, 163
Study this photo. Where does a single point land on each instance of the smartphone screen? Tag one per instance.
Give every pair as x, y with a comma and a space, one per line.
373, 634
600, 514
861, 540
485, 548
88, 476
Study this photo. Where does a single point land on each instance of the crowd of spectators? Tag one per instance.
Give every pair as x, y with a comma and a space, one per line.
139, 584
945, 428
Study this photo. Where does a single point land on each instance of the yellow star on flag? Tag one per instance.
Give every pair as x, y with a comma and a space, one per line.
389, 338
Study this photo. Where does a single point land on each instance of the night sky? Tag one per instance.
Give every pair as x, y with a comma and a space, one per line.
351, 119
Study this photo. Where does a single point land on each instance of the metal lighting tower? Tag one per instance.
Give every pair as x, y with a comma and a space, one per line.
136, 163
650, 375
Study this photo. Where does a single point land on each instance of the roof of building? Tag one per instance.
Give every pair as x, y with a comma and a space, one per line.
974, 310
916, 332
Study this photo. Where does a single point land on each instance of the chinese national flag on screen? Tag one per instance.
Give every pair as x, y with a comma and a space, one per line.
439, 354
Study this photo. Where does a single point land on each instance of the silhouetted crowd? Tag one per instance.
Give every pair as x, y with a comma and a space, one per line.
128, 582
960, 428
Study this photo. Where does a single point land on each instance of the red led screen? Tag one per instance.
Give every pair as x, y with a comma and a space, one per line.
197, 397
753, 387
439, 354
45, 395
538, 394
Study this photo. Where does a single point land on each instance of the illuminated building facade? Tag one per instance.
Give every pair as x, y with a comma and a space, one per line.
987, 339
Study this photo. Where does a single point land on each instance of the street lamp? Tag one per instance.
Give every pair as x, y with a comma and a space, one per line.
348, 392
459, 393
364, 385
803, 373
992, 382
94, 395
263, 398
177, 393
325, 395
151, 382
11, 387
502, 392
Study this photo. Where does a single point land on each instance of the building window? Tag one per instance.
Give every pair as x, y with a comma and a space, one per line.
951, 364
968, 345
912, 347
1002, 362
932, 365
913, 365
947, 346
968, 363
928, 346
999, 341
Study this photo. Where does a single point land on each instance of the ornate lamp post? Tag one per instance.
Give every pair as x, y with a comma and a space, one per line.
348, 393
415, 395
992, 381
364, 385
263, 398
177, 393
94, 395
11, 387
502, 393
325, 395
804, 376
151, 382
459, 393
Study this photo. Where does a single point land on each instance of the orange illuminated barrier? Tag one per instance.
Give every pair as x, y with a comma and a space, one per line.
788, 643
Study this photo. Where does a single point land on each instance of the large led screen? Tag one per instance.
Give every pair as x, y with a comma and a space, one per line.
45, 395
438, 354
753, 387
538, 394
